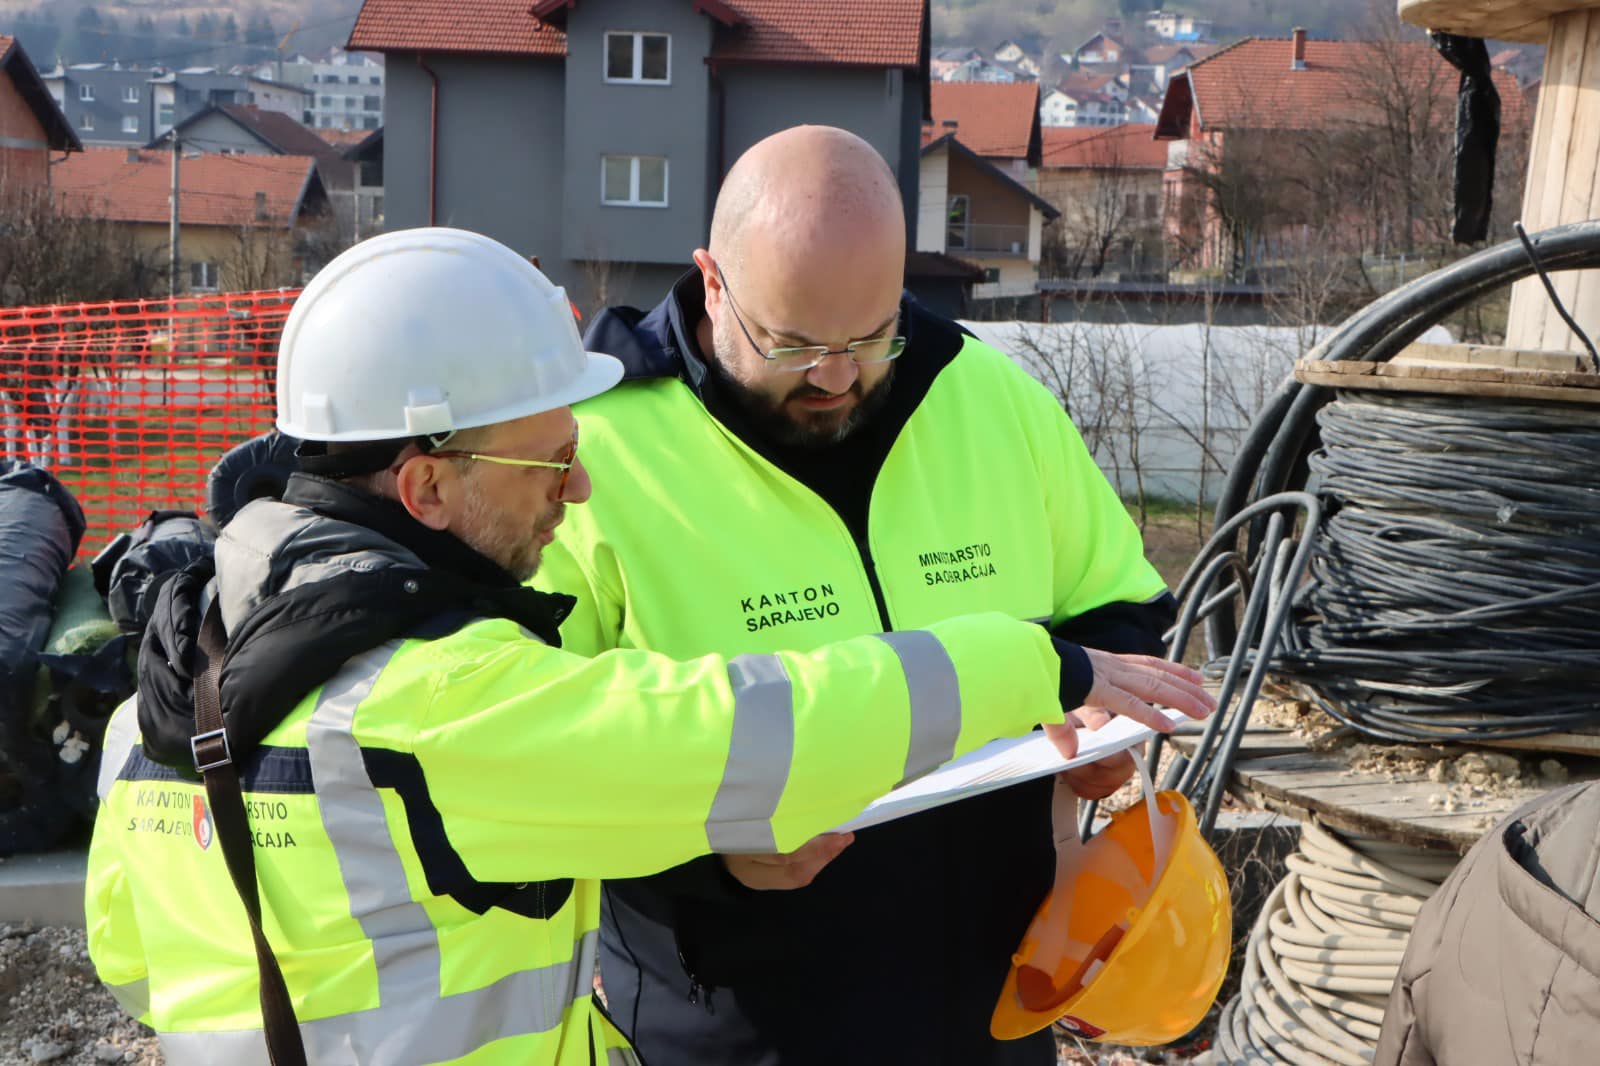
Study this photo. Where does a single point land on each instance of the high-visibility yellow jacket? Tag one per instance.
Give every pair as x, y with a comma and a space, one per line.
987, 501
430, 822
970, 490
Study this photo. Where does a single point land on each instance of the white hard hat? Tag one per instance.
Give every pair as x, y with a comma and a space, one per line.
423, 332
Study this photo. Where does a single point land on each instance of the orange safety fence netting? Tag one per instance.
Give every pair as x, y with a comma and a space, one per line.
131, 403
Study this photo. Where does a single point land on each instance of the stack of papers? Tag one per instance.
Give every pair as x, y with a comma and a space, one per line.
1000, 764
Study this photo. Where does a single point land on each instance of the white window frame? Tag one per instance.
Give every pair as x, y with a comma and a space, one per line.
86, 121
130, 94
208, 272
633, 181
86, 92
130, 123
638, 58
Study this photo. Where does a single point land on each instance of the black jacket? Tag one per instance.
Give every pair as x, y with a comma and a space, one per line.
287, 635
897, 952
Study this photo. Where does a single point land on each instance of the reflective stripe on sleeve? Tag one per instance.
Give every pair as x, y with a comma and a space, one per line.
115, 747
935, 700
133, 997
414, 1034
760, 752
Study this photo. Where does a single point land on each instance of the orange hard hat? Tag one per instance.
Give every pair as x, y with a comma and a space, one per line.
1132, 943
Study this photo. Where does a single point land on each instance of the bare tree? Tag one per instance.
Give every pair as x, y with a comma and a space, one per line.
48, 256
1369, 176
1108, 386
1104, 204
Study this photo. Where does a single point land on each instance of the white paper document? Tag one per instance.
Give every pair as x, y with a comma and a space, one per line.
999, 764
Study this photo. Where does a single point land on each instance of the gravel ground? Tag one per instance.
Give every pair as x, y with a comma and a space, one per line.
53, 1008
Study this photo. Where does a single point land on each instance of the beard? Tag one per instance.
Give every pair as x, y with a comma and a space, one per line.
784, 424
507, 539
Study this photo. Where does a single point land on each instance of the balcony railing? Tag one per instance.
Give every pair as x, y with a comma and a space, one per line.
987, 238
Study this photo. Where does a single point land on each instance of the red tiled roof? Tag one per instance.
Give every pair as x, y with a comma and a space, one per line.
489, 27
878, 33
1127, 147
1250, 84
992, 118
342, 138
215, 190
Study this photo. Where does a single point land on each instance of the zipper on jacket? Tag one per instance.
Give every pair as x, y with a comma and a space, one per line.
872, 580
696, 988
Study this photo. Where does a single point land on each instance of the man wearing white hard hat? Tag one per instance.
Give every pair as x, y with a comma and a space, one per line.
358, 810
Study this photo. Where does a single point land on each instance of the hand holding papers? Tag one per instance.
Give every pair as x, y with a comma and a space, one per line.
1124, 685
1000, 764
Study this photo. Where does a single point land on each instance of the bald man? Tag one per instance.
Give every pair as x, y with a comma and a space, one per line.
812, 456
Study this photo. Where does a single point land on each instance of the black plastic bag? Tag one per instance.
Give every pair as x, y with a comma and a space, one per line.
131, 570
40, 528
259, 467
1477, 134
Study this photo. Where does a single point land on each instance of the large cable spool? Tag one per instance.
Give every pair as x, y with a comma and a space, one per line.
1455, 591
1325, 950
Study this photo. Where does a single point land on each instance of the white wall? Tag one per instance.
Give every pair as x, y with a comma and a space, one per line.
933, 201
1144, 397
1018, 277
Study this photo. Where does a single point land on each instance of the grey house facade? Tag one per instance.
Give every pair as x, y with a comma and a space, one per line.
111, 105
593, 134
104, 104
238, 129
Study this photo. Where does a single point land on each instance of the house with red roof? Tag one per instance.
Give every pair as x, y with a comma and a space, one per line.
1107, 185
594, 134
1349, 140
244, 129
31, 123
980, 155
245, 221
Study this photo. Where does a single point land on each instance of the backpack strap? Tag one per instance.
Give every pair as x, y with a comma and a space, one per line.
214, 761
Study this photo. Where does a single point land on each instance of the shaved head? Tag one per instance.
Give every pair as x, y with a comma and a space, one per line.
808, 248
805, 188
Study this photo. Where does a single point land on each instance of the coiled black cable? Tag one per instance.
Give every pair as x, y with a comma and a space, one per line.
1456, 588
1272, 457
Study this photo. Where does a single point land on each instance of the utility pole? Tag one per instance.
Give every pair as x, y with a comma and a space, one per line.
172, 236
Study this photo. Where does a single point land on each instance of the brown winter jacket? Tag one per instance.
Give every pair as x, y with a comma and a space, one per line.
1503, 966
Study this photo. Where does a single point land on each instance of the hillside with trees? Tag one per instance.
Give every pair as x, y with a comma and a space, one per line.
175, 32
1071, 21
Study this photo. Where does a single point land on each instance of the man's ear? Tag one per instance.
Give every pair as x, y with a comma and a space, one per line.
710, 279
419, 482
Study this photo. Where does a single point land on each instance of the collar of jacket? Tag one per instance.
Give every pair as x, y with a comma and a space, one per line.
436, 548
661, 343
304, 584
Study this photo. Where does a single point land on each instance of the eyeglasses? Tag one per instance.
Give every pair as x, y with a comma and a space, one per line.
568, 459
794, 360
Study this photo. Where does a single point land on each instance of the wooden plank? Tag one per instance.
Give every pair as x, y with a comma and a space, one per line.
1397, 811
1575, 376
1534, 323
1577, 170
1429, 837
1585, 306
1505, 384
1504, 20
1555, 743
1487, 355
1256, 743
1322, 784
